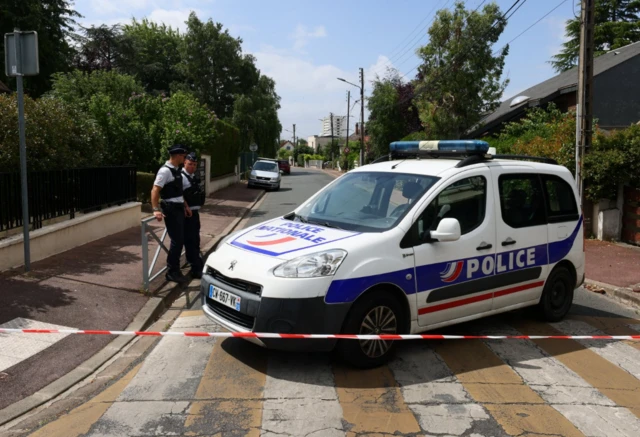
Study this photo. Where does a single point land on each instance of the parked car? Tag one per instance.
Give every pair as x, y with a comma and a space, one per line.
265, 173
284, 166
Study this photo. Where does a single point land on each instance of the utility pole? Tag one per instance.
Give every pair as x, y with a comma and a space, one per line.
361, 117
294, 136
346, 142
584, 108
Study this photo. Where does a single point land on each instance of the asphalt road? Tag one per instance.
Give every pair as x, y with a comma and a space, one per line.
295, 188
203, 386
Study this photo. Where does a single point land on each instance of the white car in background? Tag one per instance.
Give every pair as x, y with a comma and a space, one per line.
266, 174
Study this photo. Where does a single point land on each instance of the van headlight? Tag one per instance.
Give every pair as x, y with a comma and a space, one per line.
312, 266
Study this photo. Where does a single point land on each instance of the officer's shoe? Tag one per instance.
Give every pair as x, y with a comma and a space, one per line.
176, 277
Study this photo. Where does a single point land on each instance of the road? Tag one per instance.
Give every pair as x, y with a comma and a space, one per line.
209, 387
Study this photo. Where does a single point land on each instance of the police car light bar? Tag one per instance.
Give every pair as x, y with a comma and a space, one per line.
462, 147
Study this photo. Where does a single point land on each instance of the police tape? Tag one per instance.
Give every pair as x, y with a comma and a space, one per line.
321, 336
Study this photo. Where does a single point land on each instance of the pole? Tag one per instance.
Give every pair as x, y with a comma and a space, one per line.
361, 117
294, 135
23, 153
585, 90
346, 143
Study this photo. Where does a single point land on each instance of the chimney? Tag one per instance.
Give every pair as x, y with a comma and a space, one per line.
357, 129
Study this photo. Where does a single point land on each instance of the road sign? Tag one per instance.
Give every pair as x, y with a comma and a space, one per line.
21, 54
346, 150
253, 147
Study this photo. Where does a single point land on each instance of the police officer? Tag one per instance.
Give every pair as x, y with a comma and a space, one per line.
194, 197
167, 201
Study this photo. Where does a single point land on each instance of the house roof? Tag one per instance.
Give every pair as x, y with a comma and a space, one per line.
546, 91
4, 88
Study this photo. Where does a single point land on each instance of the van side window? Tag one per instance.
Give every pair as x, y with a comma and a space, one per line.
521, 200
561, 202
464, 200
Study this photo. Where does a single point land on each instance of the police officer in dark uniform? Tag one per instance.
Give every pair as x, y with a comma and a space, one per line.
167, 201
194, 197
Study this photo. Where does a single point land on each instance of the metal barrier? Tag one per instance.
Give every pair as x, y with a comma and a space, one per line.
147, 269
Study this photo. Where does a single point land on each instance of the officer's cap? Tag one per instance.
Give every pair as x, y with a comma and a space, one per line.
177, 148
192, 156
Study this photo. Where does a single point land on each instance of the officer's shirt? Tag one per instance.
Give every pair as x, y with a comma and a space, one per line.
186, 184
163, 177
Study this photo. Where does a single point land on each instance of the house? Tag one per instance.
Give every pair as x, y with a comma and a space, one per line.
317, 142
4, 89
616, 94
286, 145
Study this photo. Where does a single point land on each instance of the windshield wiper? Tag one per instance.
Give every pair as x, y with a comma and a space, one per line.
294, 216
326, 225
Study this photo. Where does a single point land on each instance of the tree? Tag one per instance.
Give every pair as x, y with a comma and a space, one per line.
53, 20
386, 123
460, 74
256, 115
214, 66
151, 53
617, 24
98, 48
301, 150
302, 142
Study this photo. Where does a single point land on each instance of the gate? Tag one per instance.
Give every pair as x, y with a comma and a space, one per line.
631, 216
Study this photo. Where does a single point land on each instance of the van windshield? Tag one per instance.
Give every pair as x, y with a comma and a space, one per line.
366, 201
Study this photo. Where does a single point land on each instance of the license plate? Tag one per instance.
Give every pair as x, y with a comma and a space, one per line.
224, 297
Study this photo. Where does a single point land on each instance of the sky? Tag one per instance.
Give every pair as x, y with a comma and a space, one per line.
306, 45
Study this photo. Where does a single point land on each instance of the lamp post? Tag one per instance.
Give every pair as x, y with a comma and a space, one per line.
361, 87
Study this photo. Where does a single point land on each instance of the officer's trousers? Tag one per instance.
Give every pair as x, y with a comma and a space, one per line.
174, 220
192, 241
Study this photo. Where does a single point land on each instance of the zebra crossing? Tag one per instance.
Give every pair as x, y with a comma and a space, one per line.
215, 387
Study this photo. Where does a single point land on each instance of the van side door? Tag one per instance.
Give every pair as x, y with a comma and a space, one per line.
521, 253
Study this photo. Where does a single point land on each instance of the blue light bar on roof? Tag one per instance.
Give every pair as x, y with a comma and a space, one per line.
451, 146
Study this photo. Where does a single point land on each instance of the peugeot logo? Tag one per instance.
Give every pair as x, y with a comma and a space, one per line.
233, 264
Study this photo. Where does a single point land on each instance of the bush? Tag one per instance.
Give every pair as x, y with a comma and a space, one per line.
58, 135
224, 149
77, 88
144, 184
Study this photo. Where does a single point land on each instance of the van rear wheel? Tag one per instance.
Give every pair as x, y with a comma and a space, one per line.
557, 295
376, 313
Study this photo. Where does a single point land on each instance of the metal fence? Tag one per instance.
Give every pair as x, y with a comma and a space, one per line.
58, 193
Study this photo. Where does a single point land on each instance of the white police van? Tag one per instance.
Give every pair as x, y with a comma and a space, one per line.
437, 233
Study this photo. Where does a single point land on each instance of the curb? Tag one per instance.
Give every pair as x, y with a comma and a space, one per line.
145, 317
623, 294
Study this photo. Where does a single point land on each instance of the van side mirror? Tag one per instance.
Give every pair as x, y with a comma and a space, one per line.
448, 230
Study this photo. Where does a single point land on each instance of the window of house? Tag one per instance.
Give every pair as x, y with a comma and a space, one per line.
521, 200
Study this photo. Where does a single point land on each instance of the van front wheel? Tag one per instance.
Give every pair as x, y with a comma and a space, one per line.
374, 314
557, 295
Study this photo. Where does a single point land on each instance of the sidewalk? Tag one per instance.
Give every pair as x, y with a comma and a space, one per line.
94, 286
614, 264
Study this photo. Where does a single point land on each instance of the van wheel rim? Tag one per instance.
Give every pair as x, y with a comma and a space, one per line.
558, 295
380, 320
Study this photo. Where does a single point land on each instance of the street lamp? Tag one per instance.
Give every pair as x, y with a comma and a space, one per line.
361, 87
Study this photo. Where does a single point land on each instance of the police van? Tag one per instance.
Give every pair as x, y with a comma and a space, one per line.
436, 233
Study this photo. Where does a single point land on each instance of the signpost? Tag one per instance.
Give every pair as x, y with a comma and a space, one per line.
21, 59
253, 147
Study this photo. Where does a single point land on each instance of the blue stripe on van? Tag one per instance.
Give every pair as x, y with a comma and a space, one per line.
430, 276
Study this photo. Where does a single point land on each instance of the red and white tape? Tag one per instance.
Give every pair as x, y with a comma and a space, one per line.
322, 336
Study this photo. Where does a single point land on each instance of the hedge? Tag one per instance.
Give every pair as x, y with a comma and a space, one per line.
144, 184
225, 149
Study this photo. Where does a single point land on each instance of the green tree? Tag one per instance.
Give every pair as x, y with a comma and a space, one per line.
386, 123
256, 115
460, 74
77, 88
302, 142
617, 24
53, 20
151, 53
214, 66
98, 48
301, 150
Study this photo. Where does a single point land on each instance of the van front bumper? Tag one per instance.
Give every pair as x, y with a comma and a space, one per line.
277, 315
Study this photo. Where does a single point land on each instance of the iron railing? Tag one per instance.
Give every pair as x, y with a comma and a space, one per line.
58, 193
